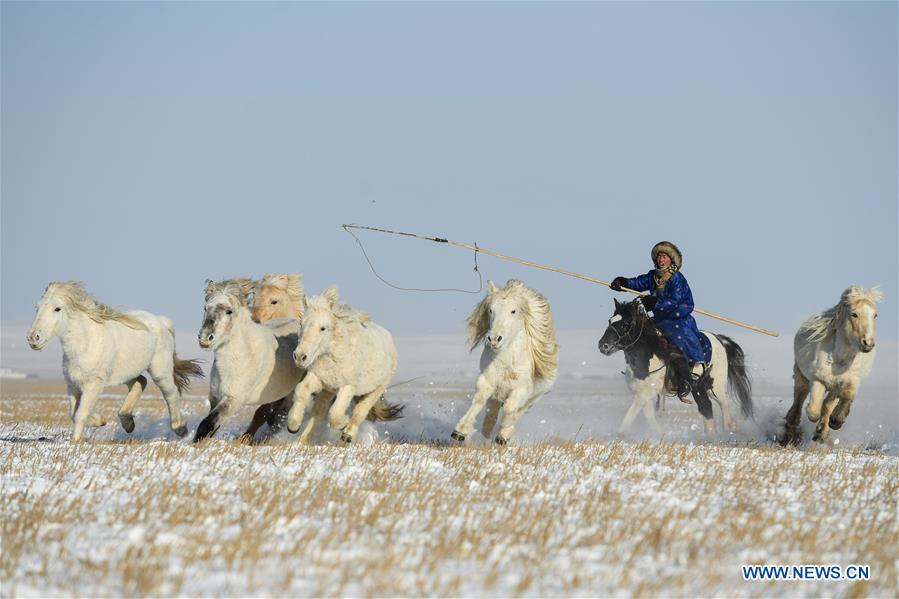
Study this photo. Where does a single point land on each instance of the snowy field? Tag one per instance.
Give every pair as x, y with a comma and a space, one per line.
568, 509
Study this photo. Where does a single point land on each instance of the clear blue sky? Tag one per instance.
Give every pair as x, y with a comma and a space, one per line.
149, 146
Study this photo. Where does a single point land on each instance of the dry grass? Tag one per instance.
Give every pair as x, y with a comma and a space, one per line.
166, 518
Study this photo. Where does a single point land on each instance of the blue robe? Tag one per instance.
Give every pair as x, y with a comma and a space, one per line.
672, 314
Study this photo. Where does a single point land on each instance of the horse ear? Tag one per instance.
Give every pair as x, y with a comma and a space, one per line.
617, 304
331, 294
210, 287
491, 288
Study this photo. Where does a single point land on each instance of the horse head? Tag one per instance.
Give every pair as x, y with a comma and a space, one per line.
278, 296
51, 319
624, 326
223, 307
506, 310
319, 324
856, 314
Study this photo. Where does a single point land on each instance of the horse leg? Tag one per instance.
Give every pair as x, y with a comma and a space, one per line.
302, 393
704, 404
816, 400
260, 416
210, 424
838, 417
822, 431
126, 412
636, 406
719, 392
161, 371
74, 396
649, 412
465, 426
278, 416
360, 412
319, 410
730, 424
514, 408
337, 418
801, 386
84, 410
490, 417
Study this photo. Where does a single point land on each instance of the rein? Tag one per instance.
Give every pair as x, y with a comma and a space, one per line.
632, 343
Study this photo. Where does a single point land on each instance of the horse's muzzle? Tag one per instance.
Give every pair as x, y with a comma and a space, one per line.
606, 349
36, 341
205, 341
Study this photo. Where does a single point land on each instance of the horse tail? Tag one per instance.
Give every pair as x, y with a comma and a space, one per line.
385, 411
183, 370
738, 382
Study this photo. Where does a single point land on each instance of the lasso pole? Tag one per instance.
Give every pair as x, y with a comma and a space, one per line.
550, 268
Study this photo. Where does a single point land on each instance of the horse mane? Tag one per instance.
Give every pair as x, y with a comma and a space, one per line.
538, 324
240, 287
75, 294
291, 283
823, 324
342, 312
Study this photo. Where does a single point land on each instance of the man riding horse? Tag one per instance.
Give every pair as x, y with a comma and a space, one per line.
671, 303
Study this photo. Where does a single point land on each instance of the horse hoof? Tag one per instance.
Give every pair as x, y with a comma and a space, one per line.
456, 435
500, 440
181, 431
127, 421
836, 424
293, 431
346, 438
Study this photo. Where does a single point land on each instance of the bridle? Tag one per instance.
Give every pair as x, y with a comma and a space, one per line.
627, 332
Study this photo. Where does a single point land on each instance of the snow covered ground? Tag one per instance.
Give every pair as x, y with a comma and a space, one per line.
567, 510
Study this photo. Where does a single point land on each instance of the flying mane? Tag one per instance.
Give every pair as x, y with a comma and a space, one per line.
240, 287
74, 293
343, 312
538, 324
821, 325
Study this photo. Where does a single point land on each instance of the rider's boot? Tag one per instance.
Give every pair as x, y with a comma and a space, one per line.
683, 378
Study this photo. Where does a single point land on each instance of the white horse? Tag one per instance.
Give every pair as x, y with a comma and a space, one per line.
646, 354
344, 353
245, 286
103, 346
520, 361
253, 362
833, 352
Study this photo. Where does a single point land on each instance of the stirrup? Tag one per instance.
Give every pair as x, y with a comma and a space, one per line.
684, 395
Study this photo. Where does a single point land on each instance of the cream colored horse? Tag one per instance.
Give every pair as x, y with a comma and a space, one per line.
345, 354
278, 296
520, 360
103, 346
833, 351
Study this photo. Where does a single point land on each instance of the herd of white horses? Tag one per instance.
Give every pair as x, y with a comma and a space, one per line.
281, 350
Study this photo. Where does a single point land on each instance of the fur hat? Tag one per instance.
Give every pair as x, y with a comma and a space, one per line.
666, 247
